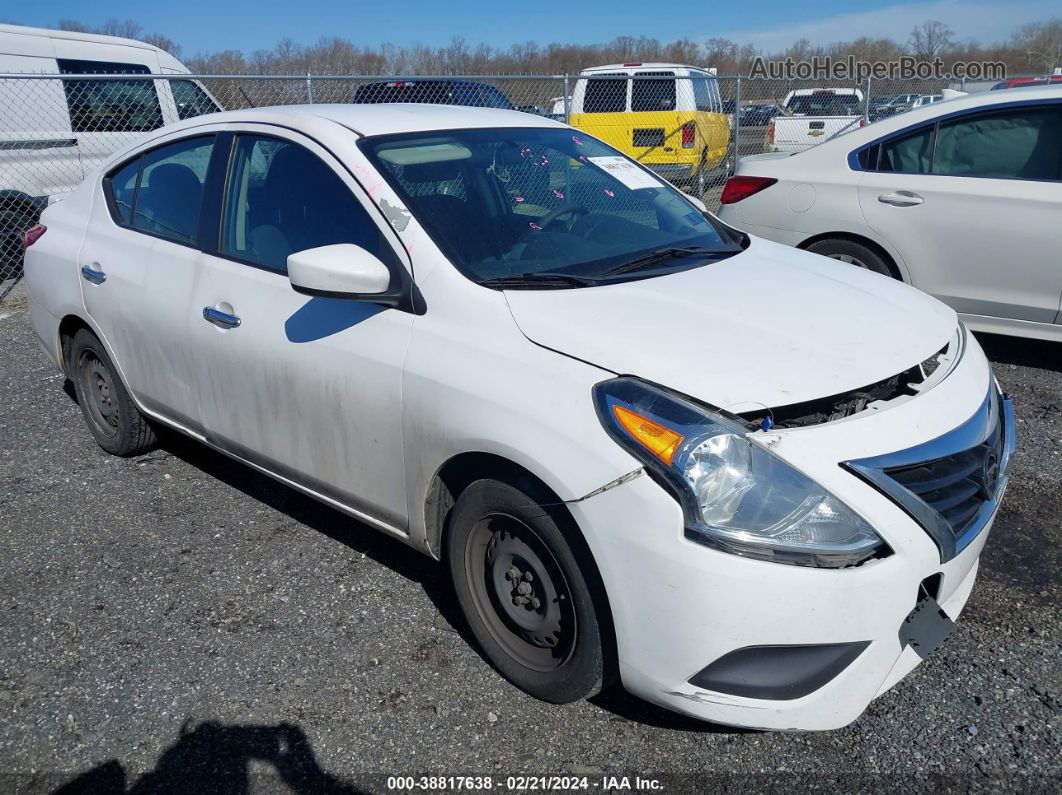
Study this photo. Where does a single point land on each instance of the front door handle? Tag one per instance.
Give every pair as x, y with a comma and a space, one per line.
901, 198
90, 274
219, 318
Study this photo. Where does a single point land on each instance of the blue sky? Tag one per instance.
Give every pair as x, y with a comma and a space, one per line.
770, 24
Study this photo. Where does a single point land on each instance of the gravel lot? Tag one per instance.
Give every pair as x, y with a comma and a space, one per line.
180, 621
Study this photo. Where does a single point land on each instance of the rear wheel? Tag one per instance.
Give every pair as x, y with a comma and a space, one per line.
116, 424
852, 253
524, 594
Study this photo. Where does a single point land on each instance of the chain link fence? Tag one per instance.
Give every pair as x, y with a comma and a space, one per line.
689, 126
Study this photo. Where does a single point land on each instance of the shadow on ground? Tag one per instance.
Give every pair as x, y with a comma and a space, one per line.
1041, 354
214, 757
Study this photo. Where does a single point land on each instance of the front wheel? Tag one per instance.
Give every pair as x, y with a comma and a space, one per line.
523, 591
115, 422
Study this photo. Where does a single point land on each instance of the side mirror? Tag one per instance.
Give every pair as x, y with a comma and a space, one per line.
340, 271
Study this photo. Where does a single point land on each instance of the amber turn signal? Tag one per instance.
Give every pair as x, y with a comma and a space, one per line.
658, 439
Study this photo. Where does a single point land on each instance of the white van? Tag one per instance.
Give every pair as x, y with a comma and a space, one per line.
53, 132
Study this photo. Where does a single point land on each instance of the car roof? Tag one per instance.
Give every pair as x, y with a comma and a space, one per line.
381, 119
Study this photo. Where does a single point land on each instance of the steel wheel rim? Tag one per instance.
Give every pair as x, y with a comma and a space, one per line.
520, 592
848, 258
97, 388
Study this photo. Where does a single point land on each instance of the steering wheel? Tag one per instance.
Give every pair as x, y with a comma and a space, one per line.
568, 208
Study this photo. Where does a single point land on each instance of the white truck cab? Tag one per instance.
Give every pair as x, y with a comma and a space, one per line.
812, 115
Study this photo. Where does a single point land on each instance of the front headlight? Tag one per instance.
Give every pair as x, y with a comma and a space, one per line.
736, 495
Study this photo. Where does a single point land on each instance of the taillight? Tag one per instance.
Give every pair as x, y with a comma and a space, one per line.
738, 188
770, 131
862, 122
689, 135
33, 234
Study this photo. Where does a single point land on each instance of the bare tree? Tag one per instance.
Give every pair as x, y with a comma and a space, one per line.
930, 39
1041, 43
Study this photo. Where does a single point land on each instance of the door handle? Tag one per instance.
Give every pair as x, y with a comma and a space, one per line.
901, 198
219, 318
90, 274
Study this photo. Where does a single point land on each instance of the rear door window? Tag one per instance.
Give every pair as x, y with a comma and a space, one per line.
651, 92
169, 193
606, 94
110, 105
1023, 143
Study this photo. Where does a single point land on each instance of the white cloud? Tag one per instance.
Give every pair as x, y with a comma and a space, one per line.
986, 22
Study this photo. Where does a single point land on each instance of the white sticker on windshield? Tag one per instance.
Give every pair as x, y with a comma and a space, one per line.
626, 172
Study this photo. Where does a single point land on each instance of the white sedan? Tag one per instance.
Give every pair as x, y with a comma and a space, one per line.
751, 483
962, 199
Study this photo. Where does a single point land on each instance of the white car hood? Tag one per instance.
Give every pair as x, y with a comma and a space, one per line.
773, 326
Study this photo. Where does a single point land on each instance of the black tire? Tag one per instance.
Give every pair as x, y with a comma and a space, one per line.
497, 536
854, 254
115, 423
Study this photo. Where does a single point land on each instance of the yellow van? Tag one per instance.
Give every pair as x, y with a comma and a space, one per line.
667, 116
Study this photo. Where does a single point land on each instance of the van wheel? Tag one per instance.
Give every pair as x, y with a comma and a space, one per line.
116, 424
524, 594
854, 254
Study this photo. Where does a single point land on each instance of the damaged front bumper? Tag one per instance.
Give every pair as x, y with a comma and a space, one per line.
755, 643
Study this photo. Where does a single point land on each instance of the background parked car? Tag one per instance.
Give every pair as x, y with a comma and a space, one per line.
1025, 82
758, 115
433, 92
53, 133
960, 198
926, 99
894, 105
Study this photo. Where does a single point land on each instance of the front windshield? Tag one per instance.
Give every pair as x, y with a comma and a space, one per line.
516, 202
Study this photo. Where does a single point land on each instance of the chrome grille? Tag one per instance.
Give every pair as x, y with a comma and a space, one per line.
952, 484
956, 486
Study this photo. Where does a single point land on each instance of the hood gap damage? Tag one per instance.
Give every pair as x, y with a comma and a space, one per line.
910, 382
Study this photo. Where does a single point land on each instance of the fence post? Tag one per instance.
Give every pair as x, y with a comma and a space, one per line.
567, 101
309, 89
866, 104
737, 123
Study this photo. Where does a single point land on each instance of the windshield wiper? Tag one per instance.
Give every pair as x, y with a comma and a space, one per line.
662, 255
539, 280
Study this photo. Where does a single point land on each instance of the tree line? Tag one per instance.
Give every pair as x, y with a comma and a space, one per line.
1035, 48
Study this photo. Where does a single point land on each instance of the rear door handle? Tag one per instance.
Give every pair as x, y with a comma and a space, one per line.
219, 318
901, 198
90, 274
